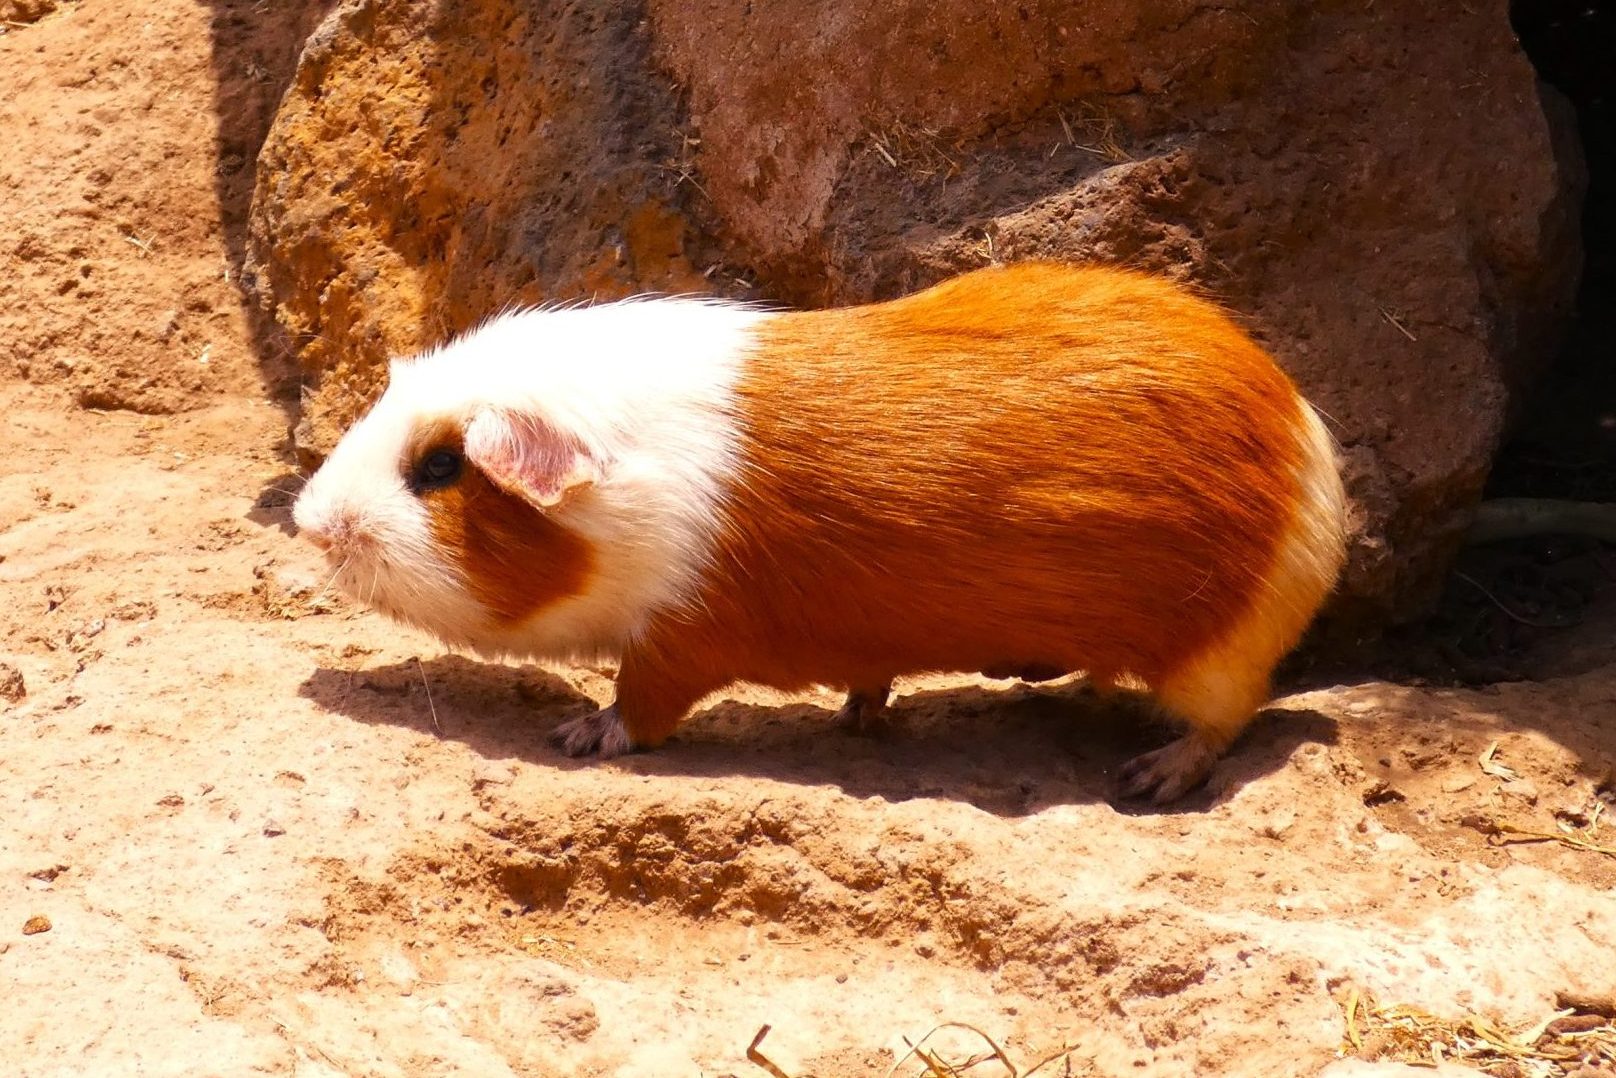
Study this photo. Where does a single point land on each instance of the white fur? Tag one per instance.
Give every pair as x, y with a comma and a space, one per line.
1222, 687
644, 386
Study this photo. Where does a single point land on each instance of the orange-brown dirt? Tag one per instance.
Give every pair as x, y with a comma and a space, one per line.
249, 829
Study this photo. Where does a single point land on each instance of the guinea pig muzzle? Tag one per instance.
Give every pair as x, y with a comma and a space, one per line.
335, 534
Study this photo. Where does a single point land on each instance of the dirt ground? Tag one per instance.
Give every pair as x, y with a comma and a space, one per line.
248, 828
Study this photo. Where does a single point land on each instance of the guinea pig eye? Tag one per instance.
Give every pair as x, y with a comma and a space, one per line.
437, 469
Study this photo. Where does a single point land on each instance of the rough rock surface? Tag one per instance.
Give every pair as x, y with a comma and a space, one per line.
433, 163
1373, 186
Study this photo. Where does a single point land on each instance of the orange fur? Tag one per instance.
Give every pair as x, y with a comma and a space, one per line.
1076, 468
498, 540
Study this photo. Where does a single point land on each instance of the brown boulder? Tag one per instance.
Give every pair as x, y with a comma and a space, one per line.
433, 163
1376, 189
22, 12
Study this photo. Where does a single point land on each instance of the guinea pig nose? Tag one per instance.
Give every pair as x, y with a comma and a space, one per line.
329, 532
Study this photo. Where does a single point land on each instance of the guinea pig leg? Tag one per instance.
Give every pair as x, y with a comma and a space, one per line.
643, 716
652, 697
1216, 703
865, 709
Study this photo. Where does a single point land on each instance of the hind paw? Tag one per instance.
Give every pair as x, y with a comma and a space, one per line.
1169, 772
865, 711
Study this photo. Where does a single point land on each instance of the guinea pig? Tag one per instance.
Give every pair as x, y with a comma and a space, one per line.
1036, 467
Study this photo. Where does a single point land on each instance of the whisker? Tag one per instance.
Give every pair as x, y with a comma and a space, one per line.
433, 707
330, 580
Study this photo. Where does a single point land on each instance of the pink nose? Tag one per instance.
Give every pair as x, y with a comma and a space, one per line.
330, 534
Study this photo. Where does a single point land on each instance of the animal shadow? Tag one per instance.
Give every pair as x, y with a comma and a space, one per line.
272, 508
1010, 751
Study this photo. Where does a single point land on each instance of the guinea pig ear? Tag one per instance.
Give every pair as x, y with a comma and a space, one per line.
525, 456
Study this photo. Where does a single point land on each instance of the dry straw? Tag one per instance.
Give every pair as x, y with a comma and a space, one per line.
923, 1061
1558, 1044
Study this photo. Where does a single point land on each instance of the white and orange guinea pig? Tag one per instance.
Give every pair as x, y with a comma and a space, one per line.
1030, 468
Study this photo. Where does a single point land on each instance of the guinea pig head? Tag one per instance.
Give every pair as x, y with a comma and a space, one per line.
449, 514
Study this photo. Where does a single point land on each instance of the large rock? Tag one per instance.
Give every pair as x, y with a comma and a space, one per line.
435, 162
1375, 188
23, 12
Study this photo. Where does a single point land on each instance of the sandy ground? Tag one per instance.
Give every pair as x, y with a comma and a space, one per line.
248, 828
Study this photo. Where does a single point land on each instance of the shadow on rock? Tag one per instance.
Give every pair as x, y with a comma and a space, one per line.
1010, 751
255, 52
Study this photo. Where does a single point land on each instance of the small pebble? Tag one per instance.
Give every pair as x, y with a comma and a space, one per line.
1278, 824
1576, 1023
1587, 1004
272, 829
12, 688
36, 924
1381, 793
1522, 789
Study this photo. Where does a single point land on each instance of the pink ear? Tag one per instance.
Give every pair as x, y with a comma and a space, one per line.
525, 456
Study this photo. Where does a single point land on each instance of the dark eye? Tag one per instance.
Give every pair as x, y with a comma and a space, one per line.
437, 469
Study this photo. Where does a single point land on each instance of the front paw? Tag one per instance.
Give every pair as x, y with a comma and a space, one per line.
600, 734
